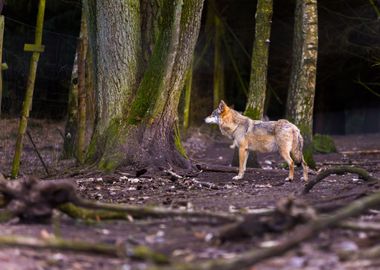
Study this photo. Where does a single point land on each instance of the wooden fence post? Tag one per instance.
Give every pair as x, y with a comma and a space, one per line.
37, 48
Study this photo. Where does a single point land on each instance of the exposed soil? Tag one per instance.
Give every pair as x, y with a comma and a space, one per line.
181, 239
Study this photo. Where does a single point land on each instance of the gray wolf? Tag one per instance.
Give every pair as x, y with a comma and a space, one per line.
260, 136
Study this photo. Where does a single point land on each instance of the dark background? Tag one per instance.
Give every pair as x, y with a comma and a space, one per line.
349, 43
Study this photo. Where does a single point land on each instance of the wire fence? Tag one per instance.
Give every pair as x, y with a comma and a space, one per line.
53, 74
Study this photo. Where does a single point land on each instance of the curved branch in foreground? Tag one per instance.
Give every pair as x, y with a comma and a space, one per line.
138, 252
297, 236
339, 170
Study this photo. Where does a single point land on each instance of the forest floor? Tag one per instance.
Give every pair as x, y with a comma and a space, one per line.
180, 239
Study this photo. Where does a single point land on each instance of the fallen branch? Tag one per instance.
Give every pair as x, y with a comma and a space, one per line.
360, 226
358, 163
297, 236
32, 199
229, 169
155, 212
138, 252
339, 170
361, 152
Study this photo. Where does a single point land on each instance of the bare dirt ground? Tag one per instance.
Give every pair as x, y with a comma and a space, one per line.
180, 239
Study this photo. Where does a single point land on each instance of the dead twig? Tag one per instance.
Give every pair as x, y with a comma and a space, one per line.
37, 152
338, 170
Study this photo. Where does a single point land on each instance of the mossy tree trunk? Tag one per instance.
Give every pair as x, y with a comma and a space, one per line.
137, 102
187, 94
218, 61
300, 102
259, 66
258, 81
82, 93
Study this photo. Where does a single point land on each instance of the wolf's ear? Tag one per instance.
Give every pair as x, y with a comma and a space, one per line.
222, 106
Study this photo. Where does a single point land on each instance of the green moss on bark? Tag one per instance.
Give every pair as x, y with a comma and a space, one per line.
253, 113
324, 144
178, 143
308, 151
308, 147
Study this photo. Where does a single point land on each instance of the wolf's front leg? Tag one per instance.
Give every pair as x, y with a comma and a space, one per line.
243, 156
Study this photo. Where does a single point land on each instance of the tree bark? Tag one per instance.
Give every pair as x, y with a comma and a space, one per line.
72, 112
187, 101
136, 102
218, 60
259, 67
82, 93
300, 102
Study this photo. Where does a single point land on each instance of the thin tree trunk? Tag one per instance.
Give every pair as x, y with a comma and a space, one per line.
82, 91
259, 67
218, 62
301, 92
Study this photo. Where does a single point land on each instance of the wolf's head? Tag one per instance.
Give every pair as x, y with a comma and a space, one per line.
215, 116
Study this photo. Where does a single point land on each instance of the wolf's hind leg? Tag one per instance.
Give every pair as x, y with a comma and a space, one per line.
305, 170
285, 154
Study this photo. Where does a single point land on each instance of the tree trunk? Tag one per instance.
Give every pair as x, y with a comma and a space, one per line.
187, 101
301, 92
258, 81
218, 61
259, 66
82, 91
137, 105
72, 112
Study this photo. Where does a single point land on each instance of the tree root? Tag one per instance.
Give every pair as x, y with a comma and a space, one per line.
138, 252
339, 170
297, 236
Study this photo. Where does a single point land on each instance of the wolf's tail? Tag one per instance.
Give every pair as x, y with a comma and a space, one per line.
297, 146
